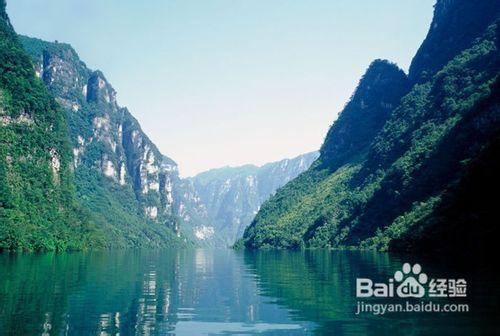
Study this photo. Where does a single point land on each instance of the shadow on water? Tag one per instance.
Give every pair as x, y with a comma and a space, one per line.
320, 286
214, 292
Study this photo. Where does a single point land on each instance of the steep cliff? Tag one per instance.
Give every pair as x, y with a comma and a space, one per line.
38, 208
398, 184
120, 174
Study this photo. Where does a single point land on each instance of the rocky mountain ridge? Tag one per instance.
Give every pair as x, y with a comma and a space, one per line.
231, 196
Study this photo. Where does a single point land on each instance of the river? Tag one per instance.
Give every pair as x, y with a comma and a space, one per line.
226, 292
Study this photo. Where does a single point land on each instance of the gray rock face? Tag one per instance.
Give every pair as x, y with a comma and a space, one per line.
106, 138
197, 224
230, 197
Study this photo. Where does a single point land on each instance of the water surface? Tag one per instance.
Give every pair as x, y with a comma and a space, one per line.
223, 292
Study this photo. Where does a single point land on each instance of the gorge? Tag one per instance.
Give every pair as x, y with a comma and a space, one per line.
408, 155
102, 234
133, 191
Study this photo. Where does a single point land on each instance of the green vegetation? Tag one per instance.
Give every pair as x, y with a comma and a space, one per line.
115, 211
402, 183
38, 208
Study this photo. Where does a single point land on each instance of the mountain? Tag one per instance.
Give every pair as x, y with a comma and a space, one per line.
120, 175
133, 190
231, 196
38, 206
410, 163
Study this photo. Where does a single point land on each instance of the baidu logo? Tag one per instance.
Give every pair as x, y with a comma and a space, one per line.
411, 282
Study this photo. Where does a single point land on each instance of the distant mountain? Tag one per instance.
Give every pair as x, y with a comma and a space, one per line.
410, 163
38, 207
228, 198
121, 176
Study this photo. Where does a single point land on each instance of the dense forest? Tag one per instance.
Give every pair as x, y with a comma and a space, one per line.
410, 162
38, 207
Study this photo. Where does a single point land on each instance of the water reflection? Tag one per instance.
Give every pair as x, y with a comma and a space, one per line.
185, 292
205, 292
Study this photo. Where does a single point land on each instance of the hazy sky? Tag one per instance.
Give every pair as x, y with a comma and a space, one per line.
229, 82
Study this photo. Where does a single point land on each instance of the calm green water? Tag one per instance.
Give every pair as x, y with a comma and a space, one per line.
210, 292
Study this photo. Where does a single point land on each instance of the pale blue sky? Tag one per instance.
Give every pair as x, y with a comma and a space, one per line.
229, 82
